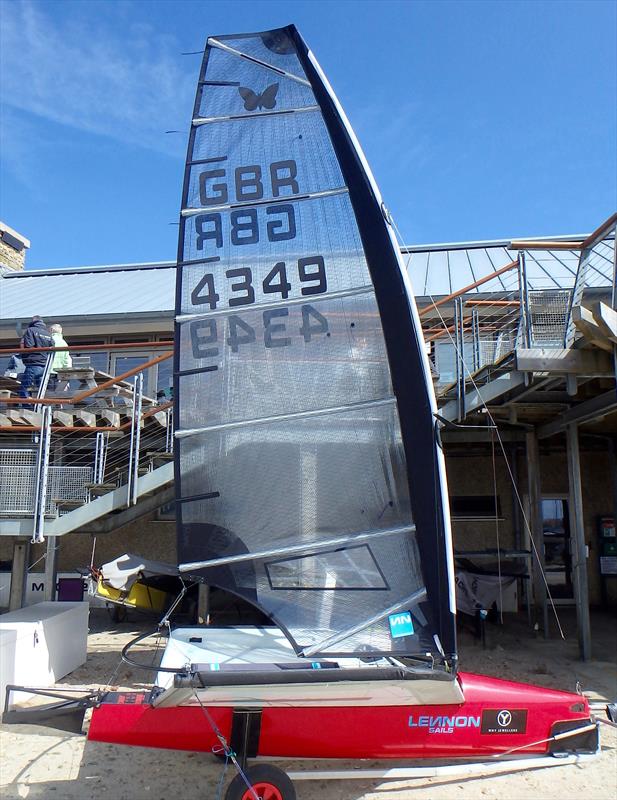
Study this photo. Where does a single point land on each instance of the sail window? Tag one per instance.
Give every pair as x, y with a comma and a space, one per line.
346, 568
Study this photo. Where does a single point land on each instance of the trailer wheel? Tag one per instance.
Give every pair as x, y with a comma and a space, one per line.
267, 781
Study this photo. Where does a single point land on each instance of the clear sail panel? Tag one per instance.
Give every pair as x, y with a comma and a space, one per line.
293, 484
254, 364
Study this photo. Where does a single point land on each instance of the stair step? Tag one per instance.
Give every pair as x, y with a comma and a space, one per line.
160, 456
64, 503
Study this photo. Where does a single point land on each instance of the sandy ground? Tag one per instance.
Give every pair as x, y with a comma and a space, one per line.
42, 763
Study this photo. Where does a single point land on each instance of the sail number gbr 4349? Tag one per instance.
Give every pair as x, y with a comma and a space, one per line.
276, 330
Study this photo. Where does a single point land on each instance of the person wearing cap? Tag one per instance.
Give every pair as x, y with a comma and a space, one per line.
36, 335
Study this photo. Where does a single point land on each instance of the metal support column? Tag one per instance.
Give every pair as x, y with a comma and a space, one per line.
51, 568
133, 472
460, 358
525, 331
577, 543
535, 524
42, 472
19, 574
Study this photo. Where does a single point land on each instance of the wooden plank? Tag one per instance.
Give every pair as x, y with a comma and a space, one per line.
22, 416
62, 417
86, 417
109, 417
532, 452
584, 321
578, 546
606, 319
596, 363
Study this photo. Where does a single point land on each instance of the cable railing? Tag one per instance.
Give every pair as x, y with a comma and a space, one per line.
472, 333
92, 435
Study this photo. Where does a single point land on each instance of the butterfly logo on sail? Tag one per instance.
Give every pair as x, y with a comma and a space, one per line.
252, 100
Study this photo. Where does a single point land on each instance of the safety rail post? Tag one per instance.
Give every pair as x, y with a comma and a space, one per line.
133, 473
169, 431
42, 390
42, 472
475, 332
100, 456
460, 358
524, 332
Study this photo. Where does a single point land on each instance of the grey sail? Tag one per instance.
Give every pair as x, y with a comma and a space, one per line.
309, 480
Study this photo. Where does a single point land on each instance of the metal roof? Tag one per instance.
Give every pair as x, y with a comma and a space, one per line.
435, 269
441, 271
114, 290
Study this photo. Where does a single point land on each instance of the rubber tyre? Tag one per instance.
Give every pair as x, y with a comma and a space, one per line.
270, 783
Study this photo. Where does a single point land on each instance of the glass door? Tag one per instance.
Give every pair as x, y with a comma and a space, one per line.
556, 538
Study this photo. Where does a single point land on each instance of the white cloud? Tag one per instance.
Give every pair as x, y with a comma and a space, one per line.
128, 83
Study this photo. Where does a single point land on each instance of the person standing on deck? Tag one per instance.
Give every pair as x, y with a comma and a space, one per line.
36, 335
62, 358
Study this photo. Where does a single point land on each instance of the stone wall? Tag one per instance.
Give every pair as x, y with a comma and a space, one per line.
13, 248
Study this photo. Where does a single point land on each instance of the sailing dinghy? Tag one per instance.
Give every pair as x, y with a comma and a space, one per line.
309, 476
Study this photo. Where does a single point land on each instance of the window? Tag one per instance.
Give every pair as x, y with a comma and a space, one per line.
474, 506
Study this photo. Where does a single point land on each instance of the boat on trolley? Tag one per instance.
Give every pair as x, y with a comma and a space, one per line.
309, 475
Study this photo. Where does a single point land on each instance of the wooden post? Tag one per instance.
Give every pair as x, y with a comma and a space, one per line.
578, 547
51, 568
203, 603
19, 574
535, 524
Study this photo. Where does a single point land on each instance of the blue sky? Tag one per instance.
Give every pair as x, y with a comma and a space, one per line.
480, 120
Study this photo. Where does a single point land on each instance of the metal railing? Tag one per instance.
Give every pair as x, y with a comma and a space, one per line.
471, 331
67, 449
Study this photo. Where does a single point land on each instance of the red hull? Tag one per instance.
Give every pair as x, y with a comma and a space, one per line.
496, 716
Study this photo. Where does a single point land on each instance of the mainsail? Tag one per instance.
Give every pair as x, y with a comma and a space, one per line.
309, 480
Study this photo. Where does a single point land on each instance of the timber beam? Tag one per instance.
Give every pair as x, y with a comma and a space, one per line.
586, 323
590, 363
582, 412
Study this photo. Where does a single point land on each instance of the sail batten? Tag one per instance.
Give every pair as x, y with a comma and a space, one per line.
207, 120
360, 290
319, 412
307, 469
300, 548
247, 57
411, 602
188, 212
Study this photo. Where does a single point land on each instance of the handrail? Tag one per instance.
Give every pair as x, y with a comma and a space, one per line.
546, 245
468, 288
87, 347
89, 392
599, 232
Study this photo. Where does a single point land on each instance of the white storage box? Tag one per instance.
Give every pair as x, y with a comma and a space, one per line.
42, 643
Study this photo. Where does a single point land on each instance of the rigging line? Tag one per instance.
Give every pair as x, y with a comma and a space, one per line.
229, 753
518, 496
503, 450
34, 563
258, 61
555, 738
305, 547
492, 429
